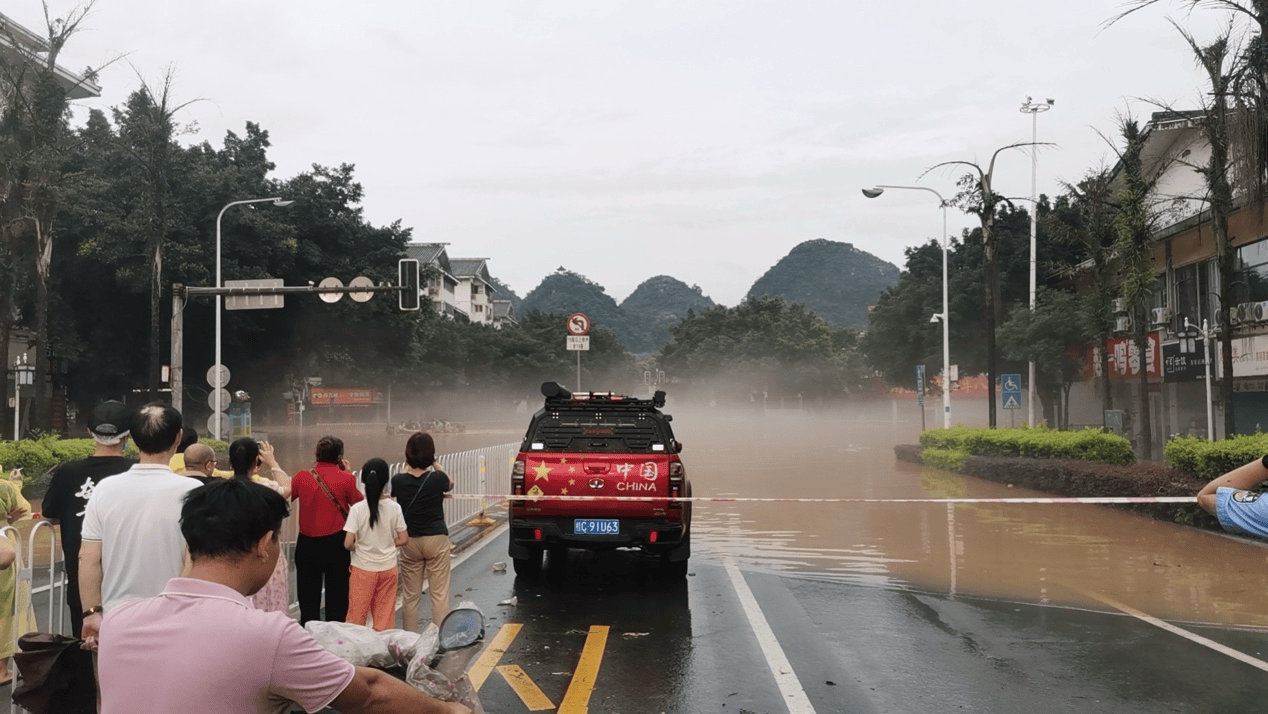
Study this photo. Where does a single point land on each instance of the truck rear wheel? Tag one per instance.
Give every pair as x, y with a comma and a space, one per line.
530, 567
673, 569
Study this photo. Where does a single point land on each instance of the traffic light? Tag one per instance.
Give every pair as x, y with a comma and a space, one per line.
407, 280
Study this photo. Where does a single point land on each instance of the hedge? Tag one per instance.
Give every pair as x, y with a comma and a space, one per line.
1209, 459
36, 456
945, 459
1038, 442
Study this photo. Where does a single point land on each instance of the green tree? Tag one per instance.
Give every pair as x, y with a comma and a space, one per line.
1050, 336
978, 197
764, 345
35, 143
1135, 224
1083, 217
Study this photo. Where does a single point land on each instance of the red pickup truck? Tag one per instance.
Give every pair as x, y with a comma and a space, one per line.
599, 445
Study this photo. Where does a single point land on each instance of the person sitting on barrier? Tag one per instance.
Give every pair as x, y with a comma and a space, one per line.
200, 646
421, 493
73, 482
1234, 500
375, 529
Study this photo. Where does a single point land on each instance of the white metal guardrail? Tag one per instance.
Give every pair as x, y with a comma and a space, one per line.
478, 472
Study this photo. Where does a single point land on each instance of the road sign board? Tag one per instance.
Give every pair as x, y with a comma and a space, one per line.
1011, 390
221, 419
578, 343
254, 302
224, 399
224, 375
330, 283
361, 282
578, 324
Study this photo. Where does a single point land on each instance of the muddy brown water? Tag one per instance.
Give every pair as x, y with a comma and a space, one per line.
1037, 553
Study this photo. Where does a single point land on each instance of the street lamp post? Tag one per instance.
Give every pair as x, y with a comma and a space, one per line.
1034, 109
1187, 338
23, 374
945, 316
216, 367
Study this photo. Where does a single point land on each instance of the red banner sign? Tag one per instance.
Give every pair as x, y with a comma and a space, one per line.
341, 396
1124, 358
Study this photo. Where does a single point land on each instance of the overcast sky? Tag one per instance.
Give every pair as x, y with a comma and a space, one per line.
624, 140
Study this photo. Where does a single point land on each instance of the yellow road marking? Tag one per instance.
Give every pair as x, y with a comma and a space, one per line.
533, 698
577, 699
493, 654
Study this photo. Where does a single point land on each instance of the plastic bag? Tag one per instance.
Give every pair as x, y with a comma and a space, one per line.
357, 644
438, 686
404, 645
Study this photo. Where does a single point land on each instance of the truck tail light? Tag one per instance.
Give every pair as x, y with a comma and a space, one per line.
652, 538
677, 476
517, 478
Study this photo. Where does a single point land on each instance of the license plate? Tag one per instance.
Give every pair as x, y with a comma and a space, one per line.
596, 526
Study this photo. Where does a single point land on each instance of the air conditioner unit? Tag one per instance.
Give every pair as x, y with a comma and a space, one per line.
1261, 311
1120, 305
1246, 311
1160, 315
1122, 324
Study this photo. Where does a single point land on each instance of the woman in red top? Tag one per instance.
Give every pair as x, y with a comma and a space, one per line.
325, 493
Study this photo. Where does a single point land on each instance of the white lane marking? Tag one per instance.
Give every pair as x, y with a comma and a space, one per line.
484, 540
1191, 636
789, 686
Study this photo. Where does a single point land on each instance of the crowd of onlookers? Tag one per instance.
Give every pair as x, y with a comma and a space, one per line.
177, 580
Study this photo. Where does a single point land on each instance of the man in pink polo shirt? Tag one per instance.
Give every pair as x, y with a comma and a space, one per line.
200, 646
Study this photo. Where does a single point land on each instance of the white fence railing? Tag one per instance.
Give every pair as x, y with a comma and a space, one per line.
484, 472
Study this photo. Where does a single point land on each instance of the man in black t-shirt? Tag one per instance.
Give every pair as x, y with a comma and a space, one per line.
72, 484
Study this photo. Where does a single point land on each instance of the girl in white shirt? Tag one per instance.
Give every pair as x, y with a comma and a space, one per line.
375, 528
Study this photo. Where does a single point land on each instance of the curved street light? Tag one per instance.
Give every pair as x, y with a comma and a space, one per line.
216, 366
1034, 109
945, 315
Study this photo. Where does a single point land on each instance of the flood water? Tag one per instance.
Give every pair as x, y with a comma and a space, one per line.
1055, 554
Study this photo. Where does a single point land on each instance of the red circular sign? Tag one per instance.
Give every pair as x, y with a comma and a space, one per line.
578, 324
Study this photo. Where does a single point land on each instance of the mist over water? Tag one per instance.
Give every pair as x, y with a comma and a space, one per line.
1037, 553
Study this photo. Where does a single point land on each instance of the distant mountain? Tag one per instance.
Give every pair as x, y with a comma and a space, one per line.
504, 292
834, 280
566, 292
657, 305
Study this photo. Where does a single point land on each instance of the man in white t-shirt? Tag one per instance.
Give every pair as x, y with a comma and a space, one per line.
132, 542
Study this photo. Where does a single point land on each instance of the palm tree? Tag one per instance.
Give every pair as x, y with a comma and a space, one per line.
978, 197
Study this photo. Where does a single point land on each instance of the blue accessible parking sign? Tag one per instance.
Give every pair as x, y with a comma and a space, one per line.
1010, 390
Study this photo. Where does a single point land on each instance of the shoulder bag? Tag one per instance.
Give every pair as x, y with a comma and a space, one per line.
343, 510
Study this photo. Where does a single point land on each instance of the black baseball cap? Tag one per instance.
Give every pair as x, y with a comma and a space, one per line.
111, 419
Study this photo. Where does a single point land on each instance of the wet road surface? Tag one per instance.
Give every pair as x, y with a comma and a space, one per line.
878, 607
881, 607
